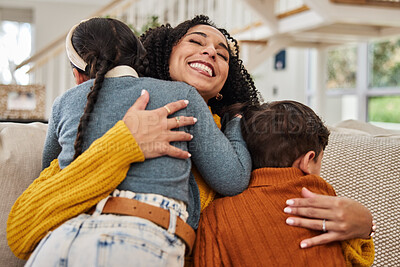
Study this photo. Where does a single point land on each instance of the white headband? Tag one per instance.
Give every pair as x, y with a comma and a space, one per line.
71, 53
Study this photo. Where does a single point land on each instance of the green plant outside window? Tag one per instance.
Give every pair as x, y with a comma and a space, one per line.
384, 61
384, 109
342, 67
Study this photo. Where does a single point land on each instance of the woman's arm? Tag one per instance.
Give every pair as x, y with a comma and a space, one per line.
51, 148
357, 251
345, 218
58, 195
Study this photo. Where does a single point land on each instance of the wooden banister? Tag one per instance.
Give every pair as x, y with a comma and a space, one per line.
278, 16
246, 28
293, 12
387, 3
60, 41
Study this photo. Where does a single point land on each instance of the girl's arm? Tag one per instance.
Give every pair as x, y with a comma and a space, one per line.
222, 159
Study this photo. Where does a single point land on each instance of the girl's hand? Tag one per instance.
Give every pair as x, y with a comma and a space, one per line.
152, 129
345, 218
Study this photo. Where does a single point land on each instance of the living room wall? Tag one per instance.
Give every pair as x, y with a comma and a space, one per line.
52, 19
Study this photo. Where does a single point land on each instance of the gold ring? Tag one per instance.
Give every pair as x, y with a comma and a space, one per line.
168, 110
178, 119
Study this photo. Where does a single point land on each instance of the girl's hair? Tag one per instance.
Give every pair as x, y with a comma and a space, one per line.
239, 86
104, 43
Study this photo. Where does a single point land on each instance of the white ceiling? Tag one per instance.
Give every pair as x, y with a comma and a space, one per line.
82, 2
324, 24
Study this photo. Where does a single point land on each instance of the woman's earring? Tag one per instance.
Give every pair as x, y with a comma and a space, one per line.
219, 97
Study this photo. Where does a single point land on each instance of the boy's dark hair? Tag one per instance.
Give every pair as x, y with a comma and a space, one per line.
278, 133
239, 86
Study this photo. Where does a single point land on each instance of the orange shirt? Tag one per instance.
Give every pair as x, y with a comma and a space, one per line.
250, 230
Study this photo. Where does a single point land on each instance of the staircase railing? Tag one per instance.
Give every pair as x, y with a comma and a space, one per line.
51, 67
387, 3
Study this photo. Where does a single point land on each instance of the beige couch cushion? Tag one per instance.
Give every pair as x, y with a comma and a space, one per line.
20, 163
362, 162
358, 127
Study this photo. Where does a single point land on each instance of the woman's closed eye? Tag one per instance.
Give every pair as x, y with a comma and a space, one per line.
195, 42
223, 56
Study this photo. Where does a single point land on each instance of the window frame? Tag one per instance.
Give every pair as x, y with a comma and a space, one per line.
363, 90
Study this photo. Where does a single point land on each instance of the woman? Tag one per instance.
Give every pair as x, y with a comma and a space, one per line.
216, 61
167, 43
167, 48
107, 51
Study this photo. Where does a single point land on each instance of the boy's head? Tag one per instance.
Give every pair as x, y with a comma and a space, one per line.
285, 134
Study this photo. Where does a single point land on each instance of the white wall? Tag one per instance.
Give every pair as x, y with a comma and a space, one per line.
53, 19
289, 84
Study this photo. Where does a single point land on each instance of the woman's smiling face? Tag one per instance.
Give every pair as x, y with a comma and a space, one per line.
201, 59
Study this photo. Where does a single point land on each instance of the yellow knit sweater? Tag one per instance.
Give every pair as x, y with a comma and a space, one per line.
358, 252
56, 196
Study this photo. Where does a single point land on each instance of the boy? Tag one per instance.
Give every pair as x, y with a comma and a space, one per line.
286, 140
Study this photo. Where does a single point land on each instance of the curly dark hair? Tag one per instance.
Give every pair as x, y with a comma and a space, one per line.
239, 86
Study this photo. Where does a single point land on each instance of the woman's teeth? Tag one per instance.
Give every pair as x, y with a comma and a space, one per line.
202, 67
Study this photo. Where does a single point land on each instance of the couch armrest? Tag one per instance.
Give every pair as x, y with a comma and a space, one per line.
362, 162
21, 147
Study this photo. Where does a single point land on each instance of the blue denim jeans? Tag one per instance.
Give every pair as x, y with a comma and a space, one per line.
109, 240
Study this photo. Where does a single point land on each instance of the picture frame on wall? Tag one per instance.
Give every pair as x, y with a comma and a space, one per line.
280, 60
22, 102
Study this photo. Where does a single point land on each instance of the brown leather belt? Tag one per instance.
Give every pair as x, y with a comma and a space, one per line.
157, 215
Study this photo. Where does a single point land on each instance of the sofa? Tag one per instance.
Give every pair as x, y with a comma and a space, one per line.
361, 162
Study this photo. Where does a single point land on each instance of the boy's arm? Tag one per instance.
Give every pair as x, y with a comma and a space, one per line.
58, 195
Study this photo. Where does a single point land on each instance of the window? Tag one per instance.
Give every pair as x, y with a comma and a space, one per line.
384, 82
342, 67
384, 63
384, 109
367, 76
15, 44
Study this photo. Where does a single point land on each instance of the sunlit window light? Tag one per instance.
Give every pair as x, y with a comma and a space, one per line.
15, 46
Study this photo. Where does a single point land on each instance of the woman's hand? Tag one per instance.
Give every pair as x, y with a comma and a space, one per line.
345, 218
152, 129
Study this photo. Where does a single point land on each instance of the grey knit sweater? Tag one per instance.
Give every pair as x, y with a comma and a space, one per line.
222, 160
